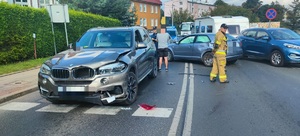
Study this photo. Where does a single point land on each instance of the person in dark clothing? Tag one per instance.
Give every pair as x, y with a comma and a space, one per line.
154, 37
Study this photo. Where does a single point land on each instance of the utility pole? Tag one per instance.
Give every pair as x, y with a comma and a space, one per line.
172, 14
192, 8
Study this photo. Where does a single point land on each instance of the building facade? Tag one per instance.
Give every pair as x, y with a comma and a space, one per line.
31, 3
196, 7
148, 13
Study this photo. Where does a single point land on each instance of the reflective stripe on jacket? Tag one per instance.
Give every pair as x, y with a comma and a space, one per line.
221, 40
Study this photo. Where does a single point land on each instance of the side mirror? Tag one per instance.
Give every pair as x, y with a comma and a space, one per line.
141, 45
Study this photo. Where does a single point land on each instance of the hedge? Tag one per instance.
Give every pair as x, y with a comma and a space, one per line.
19, 23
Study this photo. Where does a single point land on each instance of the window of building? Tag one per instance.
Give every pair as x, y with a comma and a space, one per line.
156, 22
152, 22
180, 2
22, 3
141, 22
132, 5
180, 9
156, 9
141, 7
152, 9
145, 8
145, 21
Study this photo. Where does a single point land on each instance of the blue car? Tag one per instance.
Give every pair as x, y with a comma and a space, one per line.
199, 47
172, 32
278, 45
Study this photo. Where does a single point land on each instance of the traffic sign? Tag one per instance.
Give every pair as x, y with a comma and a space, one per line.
271, 14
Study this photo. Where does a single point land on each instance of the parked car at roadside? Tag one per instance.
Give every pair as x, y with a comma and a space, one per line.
278, 45
199, 47
104, 67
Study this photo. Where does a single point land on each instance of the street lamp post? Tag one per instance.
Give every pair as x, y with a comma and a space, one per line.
172, 14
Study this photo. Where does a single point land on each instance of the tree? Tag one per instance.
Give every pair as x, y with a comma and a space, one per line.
293, 16
234, 11
180, 16
220, 3
111, 8
261, 13
253, 5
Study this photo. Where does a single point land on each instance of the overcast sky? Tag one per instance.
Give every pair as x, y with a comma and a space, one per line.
239, 2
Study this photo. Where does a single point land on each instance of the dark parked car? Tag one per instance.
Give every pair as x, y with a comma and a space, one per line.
199, 47
105, 67
279, 45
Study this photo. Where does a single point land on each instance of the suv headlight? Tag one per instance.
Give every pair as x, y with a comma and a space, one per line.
112, 68
291, 46
45, 69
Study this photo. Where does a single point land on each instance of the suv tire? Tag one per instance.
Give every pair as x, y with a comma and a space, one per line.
277, 58
132, 89
207, 59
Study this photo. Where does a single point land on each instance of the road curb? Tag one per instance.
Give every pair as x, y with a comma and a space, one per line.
19, 71
16, 95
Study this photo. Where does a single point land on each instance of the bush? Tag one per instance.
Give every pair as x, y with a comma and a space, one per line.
19, 23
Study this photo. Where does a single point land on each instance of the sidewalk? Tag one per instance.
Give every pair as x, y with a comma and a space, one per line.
18, 84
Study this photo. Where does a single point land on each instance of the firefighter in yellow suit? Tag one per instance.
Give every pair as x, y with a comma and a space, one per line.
219, 59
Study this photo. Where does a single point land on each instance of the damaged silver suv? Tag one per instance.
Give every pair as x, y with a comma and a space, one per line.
104, 67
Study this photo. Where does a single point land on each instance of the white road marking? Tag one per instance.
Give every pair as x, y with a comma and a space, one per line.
103, 110
57, 108
155, 112
176, 118
18, 106
190, 104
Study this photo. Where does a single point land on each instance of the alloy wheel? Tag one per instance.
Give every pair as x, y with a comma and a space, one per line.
132, 87
276, 59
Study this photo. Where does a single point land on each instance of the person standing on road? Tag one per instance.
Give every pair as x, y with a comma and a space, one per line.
154, 37
219, 58
163, 42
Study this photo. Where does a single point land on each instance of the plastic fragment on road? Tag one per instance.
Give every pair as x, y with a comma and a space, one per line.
171, 83
147, 107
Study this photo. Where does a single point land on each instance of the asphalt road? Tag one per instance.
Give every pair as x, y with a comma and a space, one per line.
259, 100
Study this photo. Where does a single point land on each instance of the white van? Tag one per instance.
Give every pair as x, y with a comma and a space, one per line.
235, 24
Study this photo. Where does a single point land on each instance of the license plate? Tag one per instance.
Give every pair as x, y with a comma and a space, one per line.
70, 89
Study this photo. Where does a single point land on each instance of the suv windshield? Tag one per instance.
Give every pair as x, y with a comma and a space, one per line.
284, 34
106, 39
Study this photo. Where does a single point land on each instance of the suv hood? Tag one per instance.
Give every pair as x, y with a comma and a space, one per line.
296, 42
70, 58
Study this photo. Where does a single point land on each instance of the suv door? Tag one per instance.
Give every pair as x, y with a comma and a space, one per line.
184, 48
248, 42
144, 62
261, 44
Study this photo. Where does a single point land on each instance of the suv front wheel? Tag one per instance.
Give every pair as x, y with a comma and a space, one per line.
277, 58
132, 89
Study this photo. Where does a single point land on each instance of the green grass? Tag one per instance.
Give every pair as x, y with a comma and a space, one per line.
21, 66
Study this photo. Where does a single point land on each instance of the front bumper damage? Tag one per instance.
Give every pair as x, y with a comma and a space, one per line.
98, 90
